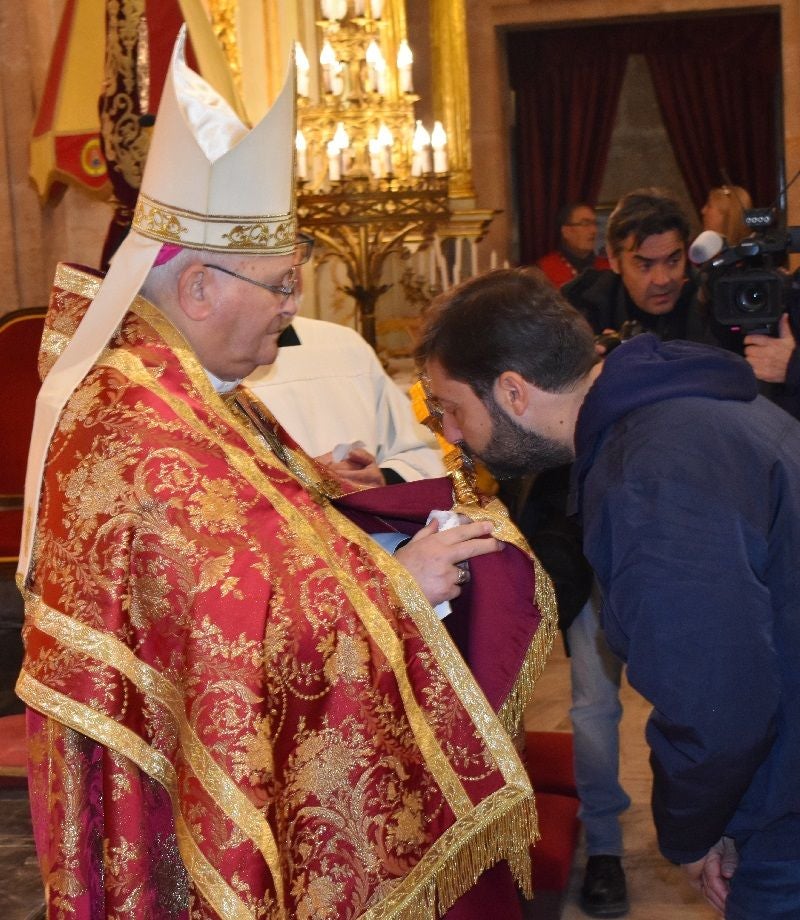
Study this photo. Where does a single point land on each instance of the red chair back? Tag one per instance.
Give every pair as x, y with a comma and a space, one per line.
20, 337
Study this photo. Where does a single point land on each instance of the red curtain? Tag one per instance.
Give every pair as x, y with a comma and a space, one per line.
717, 83
567, 86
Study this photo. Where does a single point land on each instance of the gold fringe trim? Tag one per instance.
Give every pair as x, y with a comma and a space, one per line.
503, 827
513, 708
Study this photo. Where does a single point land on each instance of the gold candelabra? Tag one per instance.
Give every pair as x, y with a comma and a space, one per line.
370, 176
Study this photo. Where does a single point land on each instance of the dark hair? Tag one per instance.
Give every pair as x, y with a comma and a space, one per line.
566, 211
507, 320
645, 212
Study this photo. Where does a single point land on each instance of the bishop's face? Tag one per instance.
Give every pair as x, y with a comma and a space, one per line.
249, 316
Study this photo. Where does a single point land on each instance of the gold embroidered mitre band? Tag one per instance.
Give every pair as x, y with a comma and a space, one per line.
210, 182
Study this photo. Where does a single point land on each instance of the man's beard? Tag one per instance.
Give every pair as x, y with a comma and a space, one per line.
514, 451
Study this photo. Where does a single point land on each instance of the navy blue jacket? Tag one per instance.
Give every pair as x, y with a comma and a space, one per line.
688, 484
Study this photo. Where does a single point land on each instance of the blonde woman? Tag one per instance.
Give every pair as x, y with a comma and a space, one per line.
724, 210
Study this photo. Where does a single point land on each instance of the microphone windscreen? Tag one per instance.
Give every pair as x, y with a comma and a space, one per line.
706, 246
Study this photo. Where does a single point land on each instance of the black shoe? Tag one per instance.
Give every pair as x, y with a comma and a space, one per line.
604, 893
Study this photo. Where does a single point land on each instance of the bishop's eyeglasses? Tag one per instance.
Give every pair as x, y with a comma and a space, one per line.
302, 253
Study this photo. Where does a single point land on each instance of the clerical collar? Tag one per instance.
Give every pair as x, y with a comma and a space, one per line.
221, 386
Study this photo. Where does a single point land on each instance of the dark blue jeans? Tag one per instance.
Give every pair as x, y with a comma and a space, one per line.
762, 890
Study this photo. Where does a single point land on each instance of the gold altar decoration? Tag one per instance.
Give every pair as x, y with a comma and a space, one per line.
371, 178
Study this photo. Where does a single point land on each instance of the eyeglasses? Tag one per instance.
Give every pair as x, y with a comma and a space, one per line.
290, 280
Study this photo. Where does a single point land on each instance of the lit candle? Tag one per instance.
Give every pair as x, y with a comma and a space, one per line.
376, 7
301, 146
439, 142
386, 140
334, 162
341, 8
372, 56
328, 8
380, 76
303, 69
404, 61
358, 8
421, 145
327, 59
342, 140
375, 165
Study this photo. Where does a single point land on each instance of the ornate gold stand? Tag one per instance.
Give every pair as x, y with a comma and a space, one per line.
361, 221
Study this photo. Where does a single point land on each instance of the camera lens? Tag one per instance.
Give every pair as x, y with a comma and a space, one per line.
752, 298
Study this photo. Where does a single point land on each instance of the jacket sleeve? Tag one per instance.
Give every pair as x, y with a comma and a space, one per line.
686, 604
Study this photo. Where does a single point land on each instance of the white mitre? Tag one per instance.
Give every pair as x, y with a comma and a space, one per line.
210, 182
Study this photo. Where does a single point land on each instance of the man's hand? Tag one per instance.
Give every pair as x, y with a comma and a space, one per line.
431, 556
358, 470
713, 873
769, 356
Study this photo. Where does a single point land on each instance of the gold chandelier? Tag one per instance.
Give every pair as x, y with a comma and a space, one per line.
370, 176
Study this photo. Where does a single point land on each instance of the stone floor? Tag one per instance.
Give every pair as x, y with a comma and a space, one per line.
657, 889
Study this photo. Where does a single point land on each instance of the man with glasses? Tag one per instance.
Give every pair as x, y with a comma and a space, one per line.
577, 227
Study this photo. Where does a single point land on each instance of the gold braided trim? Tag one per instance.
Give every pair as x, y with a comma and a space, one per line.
492, 730
107, 649
245, 463
75, 281
502, 827
263, 233
116, 737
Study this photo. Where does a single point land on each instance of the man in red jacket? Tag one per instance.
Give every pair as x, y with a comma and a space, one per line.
577, 226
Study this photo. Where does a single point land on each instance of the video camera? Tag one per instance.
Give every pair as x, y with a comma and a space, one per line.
746, 284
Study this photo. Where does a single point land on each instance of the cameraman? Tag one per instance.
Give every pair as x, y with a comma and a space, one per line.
776, 360
647, 288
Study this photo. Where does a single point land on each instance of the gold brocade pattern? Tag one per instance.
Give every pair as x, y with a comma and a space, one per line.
228, 638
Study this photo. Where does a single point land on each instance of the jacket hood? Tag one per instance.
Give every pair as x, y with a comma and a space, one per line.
645, 370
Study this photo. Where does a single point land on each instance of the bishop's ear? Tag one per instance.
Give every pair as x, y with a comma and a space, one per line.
195, 292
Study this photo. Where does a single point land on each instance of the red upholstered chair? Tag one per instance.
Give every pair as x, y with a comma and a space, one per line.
549, 762
20, 335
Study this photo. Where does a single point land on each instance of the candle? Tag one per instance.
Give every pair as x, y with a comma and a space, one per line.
380, 76
341, 9
493, 259
457, 262
386, 140
376, 6
303, 69
328, 8
438, 142
372, 56
358, 8
342, 140
327, 59
404, 61
421, 146
375, 165
301, 146
334, 162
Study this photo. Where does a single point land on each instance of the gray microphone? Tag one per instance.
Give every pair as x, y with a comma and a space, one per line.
706, 246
